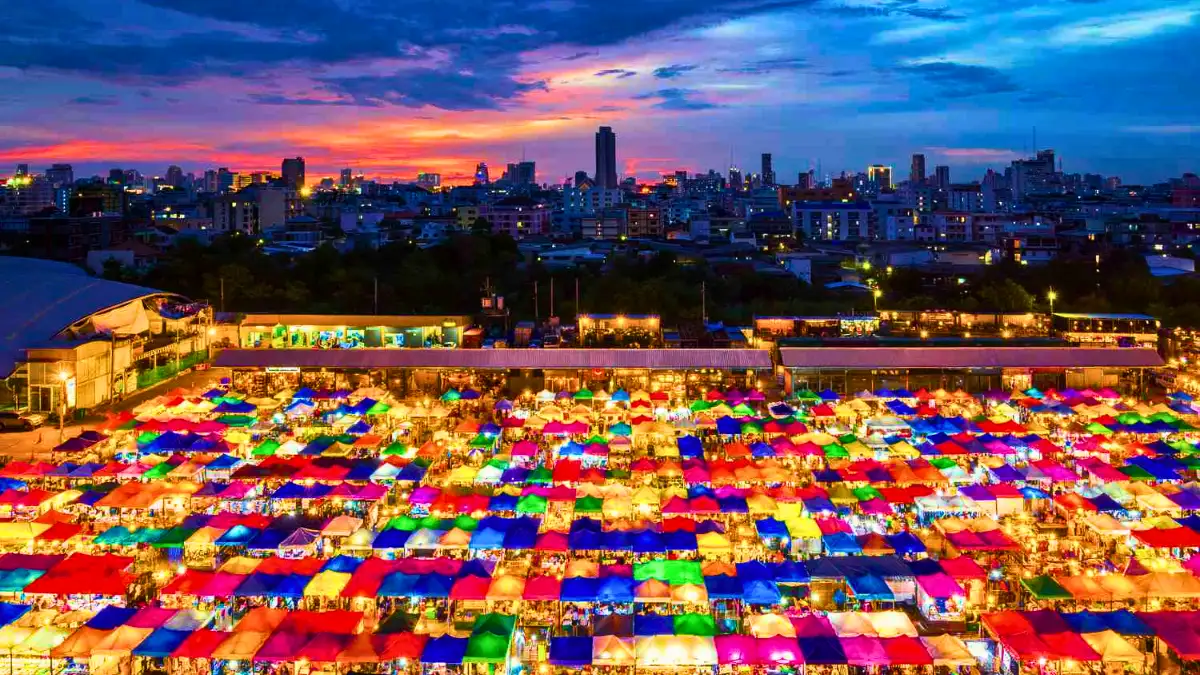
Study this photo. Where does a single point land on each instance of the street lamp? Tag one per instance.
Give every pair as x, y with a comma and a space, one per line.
62, 402
1051, 296
876, 294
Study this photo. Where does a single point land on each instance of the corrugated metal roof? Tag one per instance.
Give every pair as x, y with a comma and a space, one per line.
967, 357
651, 359
40, 298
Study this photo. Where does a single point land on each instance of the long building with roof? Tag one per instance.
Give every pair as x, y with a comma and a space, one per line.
73, 341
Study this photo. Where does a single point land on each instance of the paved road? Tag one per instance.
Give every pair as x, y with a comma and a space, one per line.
36, 445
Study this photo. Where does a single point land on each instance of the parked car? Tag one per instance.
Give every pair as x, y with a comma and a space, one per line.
11, 420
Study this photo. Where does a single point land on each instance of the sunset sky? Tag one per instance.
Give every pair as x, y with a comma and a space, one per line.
393, 87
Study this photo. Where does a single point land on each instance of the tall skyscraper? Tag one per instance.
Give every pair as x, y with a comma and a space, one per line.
941, 177
429, 181
917, 173
880, 175
61, 175
606, 158
293, 172
346, 179
174, 176
225, 180
481, 174
582, 177
735, 178
523, 173
22, 170
768, 172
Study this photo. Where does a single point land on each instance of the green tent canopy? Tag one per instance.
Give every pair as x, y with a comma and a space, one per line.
174, 537
1046, 588
584, 395
451, 395
405, 523
1135, 472
695, 624
466, 523
531, 504
589, 505
540, 476
266, 448
237, 420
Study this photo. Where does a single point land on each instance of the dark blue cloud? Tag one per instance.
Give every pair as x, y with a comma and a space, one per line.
676, 99
619, 73
482, 38
673, 71
957, 80
767, 66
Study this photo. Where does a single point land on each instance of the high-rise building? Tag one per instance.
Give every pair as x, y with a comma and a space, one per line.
768, 171
735, 178
606, 158
941, 177
116, 176
225, 180
429, 181
293, 172
347, 178
61, 175
806, 181
880, 175
481, 174
174, 176
917, 173
523, 173
210, 181
581, 177
22, 170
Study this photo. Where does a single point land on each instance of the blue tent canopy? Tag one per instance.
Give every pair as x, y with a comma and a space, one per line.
647, 541
770, 528
520, 537
870, 587
761, 592
111, 617
444, 649
573, 652
238, 535
397, 585
411, 472
728, 426
269, 539
680, 541
1121, 621
292, 586
259, 584
615, 590
841, 542
10, 612
792, 571
690, 446
161, 643
486, 538
393, 538
822, 650
723, 588
653, 624
342, 563
433, 586
580, 589
905, 543
748, 571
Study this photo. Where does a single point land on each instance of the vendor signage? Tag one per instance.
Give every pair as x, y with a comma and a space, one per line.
282, 369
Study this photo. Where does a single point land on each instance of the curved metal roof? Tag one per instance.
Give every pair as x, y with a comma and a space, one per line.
39, 298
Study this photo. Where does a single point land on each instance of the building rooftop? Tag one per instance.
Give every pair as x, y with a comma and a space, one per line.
41, 298
498, 359
966, 357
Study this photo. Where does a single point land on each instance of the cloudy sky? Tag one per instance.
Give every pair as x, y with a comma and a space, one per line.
393, 87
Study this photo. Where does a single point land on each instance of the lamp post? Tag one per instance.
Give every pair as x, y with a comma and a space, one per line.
1051, 296
876, 294
62, 402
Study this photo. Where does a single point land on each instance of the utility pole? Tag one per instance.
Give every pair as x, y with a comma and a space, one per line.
536, 316
704, 302
222, 295
576, 303
551, 314
376, 296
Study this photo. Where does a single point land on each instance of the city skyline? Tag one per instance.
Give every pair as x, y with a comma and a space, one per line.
686, 86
